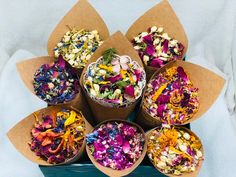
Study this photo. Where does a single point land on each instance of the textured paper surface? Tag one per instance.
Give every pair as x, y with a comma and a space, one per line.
192, 174
82, 15
161, 15
20, 135
123, 47
118, 173
208, 83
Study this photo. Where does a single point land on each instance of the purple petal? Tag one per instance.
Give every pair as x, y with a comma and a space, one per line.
138, 74
115, 78
150, 50
129, 90
163, 99
156, 62
160, 110
61, 62
119, 139
181, 73
148, 39
165, 46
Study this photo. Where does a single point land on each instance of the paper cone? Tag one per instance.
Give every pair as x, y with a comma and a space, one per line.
27, 69
192, 174
161, 15
208, 83
20, 135
123, 47
82, 15
118, 173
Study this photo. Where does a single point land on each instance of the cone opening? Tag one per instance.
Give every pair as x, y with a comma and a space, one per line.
51, 136
156, 48
114, 80
171, 97
56, 82
113, 164
81, 16
77, 46
179, 153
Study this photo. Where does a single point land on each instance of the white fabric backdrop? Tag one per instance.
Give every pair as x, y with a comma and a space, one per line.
210, 27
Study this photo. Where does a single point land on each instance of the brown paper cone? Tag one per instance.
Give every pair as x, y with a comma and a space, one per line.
118, 173
209, 84
27, 69
161, 15
82, 15
123, 47
191, 174
20, 135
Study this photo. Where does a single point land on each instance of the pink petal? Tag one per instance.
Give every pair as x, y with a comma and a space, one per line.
124, 59
116, 68
129, 90
126, 147
138, 74
119, 140
115, 62
124, 66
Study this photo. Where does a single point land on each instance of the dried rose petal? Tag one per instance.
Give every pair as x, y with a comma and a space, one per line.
129, 89
157, 44
57, 141
117, 145
171, 97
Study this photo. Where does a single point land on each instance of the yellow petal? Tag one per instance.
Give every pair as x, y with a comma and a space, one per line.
108, 68
159, 91
71, 119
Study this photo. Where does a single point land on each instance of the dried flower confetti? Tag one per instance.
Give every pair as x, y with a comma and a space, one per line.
156, 48
56, 82
117, 145
77, 46
58, 138
113, 80
174, 150
171, 97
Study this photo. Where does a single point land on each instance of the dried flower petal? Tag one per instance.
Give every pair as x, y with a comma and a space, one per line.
56, 83
77, 46
156, 48
60, 141
116, 145
172, 153
113, 80
171, 97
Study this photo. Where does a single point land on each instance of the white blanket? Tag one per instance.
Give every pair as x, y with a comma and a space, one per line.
210, 27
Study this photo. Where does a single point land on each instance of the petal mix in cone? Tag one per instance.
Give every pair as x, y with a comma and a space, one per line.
20, 135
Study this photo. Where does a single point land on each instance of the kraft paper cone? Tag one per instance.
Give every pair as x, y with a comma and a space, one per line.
20, 135
123, 47
209, 84
118, 173
27, 69
82, 15
161, 15
198, 168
